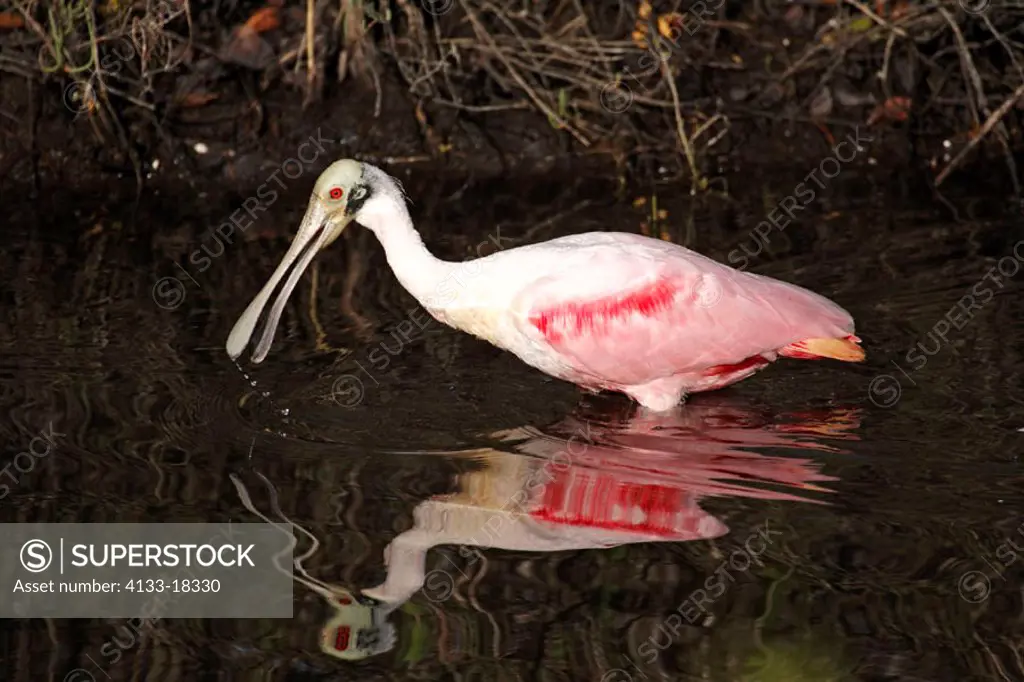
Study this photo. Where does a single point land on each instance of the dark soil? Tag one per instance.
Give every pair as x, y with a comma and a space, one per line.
69, 132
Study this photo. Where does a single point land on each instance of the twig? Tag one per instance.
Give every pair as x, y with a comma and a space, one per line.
310, 49
695, 177
1002, 41
534, 97
883, 73
966, 64
990, 123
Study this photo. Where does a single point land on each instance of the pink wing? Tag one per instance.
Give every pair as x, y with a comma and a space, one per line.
631, 315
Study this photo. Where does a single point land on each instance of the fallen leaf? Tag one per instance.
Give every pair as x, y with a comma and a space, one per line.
892, 109
11, 20
640, 36
263, 20
670, 25
248, 49
197, 99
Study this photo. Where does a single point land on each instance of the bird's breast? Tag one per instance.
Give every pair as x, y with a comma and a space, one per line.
483, 323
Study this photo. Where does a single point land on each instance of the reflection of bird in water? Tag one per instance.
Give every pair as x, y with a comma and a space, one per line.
604, 310
358, 627
585, 487
595, 480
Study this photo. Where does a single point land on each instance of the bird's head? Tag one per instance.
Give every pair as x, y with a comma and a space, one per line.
347, 190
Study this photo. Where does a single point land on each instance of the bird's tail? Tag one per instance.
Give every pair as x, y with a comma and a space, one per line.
846, 349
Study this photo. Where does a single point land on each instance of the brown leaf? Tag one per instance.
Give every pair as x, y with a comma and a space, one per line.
248, 49
263, 20
670, 25
11, 20
197, 99
639, 36
892, 109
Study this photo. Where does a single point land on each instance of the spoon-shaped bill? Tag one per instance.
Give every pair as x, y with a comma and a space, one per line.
311, 238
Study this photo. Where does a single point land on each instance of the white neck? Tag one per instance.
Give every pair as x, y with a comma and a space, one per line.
422, 275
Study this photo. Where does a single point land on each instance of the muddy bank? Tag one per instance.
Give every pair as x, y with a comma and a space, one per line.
126, 96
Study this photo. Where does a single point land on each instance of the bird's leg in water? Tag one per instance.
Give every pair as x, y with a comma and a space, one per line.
353, 273
321, 335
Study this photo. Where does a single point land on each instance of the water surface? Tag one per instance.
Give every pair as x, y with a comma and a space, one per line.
816, 522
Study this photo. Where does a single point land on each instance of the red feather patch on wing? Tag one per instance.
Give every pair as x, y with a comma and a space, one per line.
575, 319
719, 370
596, 500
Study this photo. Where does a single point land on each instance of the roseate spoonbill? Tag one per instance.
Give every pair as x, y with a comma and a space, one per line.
604, 310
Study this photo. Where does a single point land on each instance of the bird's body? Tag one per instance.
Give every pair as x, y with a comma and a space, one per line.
603, 310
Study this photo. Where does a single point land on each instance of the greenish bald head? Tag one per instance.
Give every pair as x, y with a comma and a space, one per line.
340, 193
340, 190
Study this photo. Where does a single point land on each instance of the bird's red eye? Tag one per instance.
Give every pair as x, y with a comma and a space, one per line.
336, 193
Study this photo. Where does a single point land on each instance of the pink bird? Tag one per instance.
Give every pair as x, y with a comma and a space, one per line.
604, 310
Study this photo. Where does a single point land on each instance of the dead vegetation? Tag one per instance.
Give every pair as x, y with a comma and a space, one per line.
615, 77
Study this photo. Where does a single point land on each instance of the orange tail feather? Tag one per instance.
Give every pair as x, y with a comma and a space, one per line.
846, 349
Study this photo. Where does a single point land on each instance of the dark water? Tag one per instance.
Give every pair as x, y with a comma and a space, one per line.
816, 522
